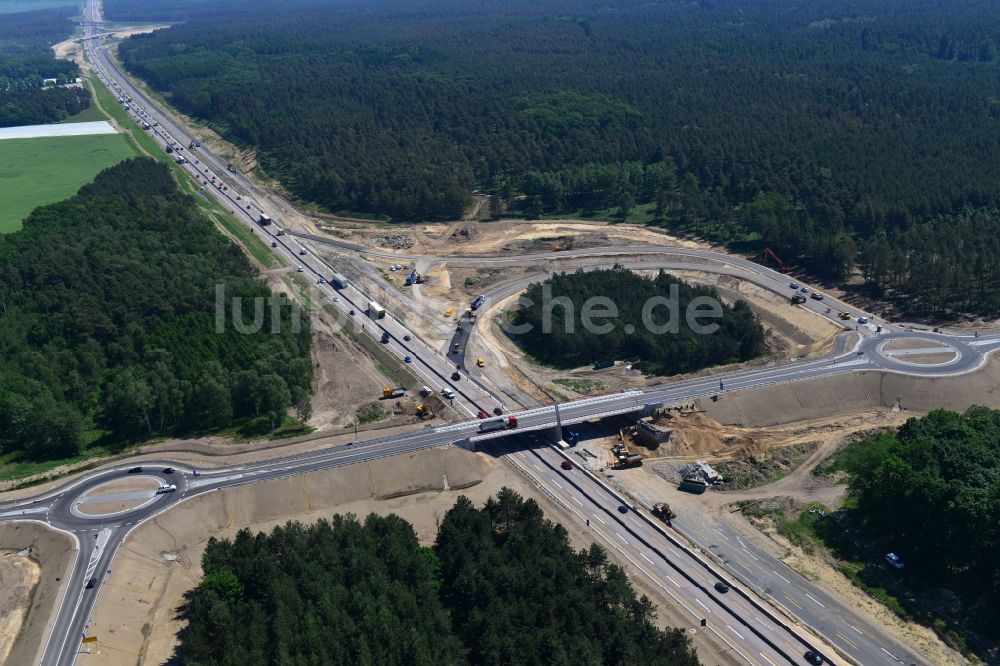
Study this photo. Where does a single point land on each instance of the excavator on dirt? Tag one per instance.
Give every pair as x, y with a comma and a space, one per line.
663, 511
424, 411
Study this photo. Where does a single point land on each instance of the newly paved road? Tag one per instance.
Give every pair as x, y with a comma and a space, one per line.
752, 631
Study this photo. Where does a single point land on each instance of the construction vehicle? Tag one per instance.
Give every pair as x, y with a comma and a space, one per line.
498, 424
628, 461
424, 411
798, 298
844, 315
375, 311
449, 312
480, 362
663, 511
454, 348
693, 484
389, 392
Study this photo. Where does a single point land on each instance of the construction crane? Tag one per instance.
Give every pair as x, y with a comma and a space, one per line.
768, 252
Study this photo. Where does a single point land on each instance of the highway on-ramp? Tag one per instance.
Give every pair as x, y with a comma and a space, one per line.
745, 623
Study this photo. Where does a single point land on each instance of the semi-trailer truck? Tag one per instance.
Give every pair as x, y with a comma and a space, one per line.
501, 423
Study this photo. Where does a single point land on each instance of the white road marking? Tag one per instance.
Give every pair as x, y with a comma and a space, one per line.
781, 577
558, 484
577, 501
888, 653
646, 558
736, 632
537, 467
599, 518
673, 581
621, 537
720, 534
707, 609
766, 659
815, 599
752, 556
856, 629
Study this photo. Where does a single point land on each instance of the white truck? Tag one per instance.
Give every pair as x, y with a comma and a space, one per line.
375, 311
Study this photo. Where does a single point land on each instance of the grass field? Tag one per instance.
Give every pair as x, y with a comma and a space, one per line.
35, 172
8, 7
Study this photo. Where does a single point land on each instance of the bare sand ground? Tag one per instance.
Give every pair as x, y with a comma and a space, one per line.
137, 615
912, 343
30, 586
18, 576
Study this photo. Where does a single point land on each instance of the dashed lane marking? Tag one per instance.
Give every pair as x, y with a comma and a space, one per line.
781, 577
736, 632
847, 640
707, 609
815, 599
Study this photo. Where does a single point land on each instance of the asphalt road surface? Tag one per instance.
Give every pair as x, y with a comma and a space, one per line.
745, 624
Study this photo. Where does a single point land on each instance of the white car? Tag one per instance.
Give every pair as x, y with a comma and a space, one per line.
448, 393
393, 267
894, 560
166, 488
862, 320
300, 269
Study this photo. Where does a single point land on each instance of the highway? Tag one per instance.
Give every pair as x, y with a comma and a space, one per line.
737, 617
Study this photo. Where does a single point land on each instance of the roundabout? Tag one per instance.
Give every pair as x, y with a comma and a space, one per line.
117, 497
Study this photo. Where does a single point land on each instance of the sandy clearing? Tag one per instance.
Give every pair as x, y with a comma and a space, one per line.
19, 575
28, 611
66, 129
927, 359
912, 343
136, 618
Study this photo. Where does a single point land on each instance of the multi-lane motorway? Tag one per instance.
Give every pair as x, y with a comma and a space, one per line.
747, 625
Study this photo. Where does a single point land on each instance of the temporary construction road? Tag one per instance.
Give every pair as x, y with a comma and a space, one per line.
748, 625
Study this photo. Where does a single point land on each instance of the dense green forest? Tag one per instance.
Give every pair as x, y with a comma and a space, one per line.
931, 493
26, 61
826, 131
551, 327
501, 586
108, 323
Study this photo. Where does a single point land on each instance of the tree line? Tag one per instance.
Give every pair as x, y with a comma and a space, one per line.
931, 493
807, 128
500, 585
26, 60
551, 325
108, 324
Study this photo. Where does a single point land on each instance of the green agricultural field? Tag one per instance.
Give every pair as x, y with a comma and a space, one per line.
44, 170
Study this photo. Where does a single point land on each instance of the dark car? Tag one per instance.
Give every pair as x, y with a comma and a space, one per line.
816, 296
497, 411
168, 470
566, 464
385, 338
622, 508
482, 414
135, 470
455, 376
351, 313
721, 587
274, 244
91, 583
406, 337
814, 657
